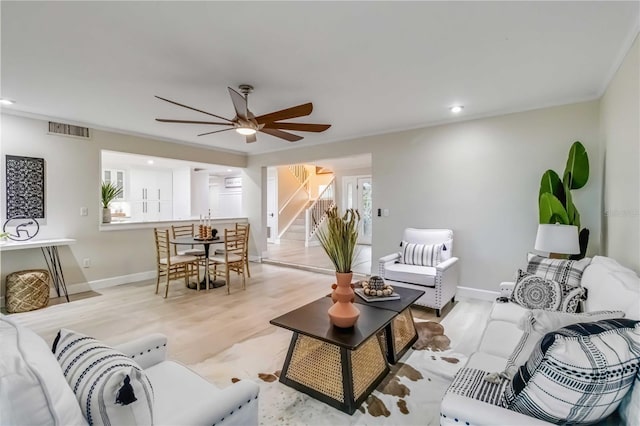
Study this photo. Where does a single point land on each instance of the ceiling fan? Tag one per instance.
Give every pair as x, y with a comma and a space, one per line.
248, 124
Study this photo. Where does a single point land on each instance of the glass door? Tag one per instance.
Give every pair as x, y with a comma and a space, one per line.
364, 193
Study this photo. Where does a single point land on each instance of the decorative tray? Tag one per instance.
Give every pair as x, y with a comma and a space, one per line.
206, 239
360, 292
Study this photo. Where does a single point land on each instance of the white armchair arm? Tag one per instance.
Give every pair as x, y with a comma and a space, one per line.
442, 266
385, 260
460, 410
506, 288
235, 405
147, 350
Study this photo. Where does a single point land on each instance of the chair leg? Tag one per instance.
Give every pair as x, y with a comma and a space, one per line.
158, 282
226, 273
246, 265
166, 287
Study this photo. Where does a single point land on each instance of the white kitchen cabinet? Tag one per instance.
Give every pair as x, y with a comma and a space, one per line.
151, 193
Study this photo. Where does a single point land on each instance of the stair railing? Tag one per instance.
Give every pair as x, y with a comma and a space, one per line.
303, 185
317, 211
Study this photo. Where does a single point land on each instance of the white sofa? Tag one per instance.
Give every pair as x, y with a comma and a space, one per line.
33, 390
439, 283
610, 287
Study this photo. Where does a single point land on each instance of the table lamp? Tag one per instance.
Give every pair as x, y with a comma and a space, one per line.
557, 240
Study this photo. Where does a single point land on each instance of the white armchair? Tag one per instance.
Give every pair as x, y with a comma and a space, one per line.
439, 283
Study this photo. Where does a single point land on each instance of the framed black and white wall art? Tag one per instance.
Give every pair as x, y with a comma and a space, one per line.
25, 187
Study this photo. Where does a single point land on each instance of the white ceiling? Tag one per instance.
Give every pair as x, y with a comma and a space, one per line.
368, 67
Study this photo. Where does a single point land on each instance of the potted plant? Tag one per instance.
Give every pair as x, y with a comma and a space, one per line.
338, 236
109, 192
555, 200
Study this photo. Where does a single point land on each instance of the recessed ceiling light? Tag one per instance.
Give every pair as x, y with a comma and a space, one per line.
229, 170
456, 109
5, 101
149, 161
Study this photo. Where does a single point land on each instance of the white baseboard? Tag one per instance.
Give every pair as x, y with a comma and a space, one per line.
476, 293
106, 282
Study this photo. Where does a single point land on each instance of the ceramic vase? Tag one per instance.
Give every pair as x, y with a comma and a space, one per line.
344, 312
106, 215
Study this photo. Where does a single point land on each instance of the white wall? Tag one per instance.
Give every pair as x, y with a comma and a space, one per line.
72, 181
479, 178
620, 115
200, 194
182, 192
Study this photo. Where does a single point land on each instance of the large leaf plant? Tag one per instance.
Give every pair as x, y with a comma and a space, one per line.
338, 236
555, 200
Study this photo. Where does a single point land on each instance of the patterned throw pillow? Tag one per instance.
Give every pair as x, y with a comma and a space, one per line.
534, 292
579, 373
421, 254
111, 388
563, 271
537, 323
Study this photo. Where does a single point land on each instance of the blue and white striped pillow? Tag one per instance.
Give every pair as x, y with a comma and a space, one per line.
421, 254
578, 374
111, 388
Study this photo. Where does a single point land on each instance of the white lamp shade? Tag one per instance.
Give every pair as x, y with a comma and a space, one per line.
558, 238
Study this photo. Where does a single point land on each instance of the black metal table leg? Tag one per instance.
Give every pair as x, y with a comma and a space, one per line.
52, 258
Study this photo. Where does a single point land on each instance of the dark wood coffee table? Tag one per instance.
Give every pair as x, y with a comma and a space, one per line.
339, 367
400, 333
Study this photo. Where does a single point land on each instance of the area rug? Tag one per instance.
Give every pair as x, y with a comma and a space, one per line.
409, 395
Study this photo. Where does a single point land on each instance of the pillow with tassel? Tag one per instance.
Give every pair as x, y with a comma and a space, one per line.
112, 389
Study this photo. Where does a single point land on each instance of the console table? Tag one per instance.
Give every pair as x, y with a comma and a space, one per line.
49, 250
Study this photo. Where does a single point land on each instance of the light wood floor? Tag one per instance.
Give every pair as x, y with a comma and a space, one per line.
294, 253
202, 324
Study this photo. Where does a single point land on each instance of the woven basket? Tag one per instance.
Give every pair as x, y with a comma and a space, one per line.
27, 290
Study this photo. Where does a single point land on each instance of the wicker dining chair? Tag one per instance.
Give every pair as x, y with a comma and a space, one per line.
187, 231
232, 260
244, 227
172, 267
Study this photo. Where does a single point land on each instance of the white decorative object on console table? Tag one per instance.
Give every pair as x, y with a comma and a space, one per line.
49, 248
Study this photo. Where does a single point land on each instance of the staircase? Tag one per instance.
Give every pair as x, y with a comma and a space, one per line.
296, 231
311, 213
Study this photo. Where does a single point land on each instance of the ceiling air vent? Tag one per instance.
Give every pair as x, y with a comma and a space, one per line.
68, 130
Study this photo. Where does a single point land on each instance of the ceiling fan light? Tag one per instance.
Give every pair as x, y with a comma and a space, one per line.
246, 131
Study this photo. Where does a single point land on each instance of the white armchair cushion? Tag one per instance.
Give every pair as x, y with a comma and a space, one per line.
111, 388
509, 312
421, 254
499, 339
32, 387
611, 286
422, 275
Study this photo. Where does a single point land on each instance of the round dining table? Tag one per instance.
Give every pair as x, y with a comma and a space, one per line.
192, 241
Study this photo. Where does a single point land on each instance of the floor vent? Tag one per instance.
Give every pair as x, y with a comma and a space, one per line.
68, 130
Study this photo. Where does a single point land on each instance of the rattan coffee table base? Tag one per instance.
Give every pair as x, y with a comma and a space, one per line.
400, 334
335, 375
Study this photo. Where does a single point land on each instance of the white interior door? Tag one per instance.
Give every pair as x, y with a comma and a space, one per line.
364, 194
